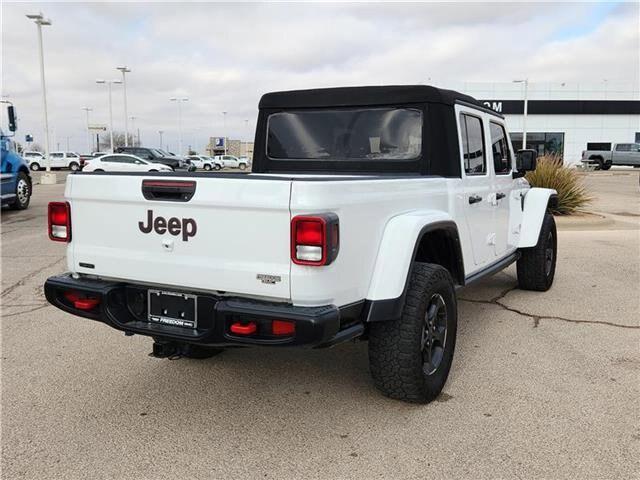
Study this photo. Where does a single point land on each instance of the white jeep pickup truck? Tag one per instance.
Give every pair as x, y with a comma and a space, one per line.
367, 209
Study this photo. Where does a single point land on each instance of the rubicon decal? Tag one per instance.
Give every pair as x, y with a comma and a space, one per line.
175, 226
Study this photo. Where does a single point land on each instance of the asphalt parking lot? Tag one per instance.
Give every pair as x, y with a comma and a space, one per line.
543, 385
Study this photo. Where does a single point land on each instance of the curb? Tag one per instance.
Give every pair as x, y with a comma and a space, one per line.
582, 221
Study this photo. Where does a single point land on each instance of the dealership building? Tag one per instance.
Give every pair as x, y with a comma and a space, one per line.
564, 117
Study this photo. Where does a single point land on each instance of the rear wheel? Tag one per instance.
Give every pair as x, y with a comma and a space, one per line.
537, 265
34, 167
74, 167
410, 358
605, 166
598, 161
242, 166
207, 166
217, 167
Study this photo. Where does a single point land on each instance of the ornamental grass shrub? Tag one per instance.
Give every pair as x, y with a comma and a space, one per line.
551, 173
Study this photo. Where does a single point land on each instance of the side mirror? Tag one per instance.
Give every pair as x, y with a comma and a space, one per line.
526, 160
13, 125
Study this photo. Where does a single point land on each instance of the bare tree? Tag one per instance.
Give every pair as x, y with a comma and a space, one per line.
118, 141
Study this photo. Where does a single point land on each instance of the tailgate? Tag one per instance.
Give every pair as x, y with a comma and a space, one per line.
232, 235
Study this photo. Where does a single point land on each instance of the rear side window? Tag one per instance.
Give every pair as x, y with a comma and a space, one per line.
500, 149
473, 145
346, 134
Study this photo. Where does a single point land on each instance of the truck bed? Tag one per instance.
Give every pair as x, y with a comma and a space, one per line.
241, 245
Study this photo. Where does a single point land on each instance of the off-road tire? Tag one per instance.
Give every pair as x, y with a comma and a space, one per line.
396, 357
534, 270
23, 192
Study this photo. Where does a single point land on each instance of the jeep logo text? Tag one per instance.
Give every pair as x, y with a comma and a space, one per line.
175, 226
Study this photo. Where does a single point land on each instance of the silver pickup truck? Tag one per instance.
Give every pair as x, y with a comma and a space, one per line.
627, 154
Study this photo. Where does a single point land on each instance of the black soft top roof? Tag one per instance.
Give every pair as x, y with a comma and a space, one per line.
358, 96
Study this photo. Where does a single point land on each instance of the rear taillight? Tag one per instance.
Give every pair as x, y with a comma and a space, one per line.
315, 239
81, 301
60, 221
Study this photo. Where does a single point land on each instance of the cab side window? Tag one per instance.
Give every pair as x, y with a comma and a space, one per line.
473, 145
623, 147
500, 149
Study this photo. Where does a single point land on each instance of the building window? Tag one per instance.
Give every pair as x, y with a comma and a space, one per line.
544, 143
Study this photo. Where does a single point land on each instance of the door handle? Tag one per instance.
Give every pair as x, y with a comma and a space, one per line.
500, 196
475, 199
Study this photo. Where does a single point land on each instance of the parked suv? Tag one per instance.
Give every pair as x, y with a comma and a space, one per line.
230, 161
152, 155
70, 160
204, 162
34, 159
368, 209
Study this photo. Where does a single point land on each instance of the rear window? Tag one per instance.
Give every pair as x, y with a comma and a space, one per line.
349, 134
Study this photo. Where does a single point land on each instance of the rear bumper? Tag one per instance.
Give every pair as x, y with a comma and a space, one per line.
123, 306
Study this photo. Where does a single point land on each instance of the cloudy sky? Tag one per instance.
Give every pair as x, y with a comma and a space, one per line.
223, 57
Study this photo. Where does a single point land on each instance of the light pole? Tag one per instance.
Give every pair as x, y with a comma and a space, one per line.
160, 132
179, 101
224, 130
48, 178
246, 138
124, 87
109, 83
525, 82
87, 110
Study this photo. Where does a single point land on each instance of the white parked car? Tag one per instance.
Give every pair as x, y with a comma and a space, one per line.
70, 160
35, 160
230, 161
204, 162
121, 162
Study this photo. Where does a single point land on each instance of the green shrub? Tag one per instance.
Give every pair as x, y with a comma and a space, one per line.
550, 173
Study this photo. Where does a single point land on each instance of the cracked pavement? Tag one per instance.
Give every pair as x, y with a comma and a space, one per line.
543, 385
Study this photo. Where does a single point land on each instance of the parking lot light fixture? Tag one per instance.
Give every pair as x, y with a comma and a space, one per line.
109, 83
124, 70
179, 101
87, 110
525, 82
224, 130
40, 21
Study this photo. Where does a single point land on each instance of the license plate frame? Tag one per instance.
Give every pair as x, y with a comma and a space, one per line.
174, 309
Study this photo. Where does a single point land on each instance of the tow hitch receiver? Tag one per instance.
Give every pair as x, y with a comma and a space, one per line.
165, 349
